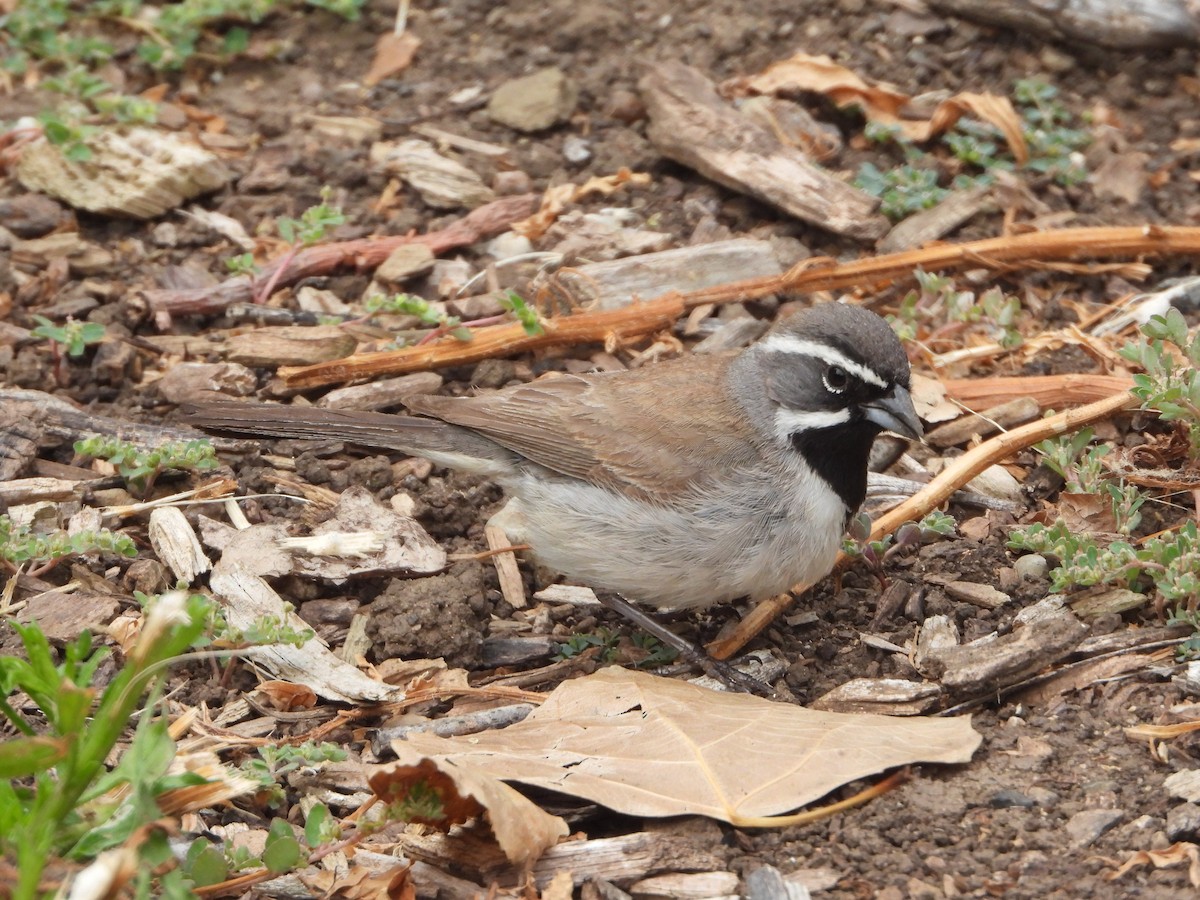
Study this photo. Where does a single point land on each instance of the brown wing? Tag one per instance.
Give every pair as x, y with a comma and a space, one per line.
621, 430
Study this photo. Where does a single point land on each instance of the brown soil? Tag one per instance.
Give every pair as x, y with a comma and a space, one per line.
1018, 821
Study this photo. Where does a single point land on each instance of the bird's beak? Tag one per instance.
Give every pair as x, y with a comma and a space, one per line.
895, 412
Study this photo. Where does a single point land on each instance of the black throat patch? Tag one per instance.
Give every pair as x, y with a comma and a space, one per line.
838, 454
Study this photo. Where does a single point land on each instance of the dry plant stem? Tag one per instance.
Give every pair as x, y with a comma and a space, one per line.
365, 254
1032, 250
990, 452
892, 782
756, 620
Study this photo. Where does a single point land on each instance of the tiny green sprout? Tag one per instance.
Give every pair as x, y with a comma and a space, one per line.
523, 313
901, 191
18, 544
72, 337
421, 803
313, 224
428, 313
242, 264
907, 537
1170, 382
657, 653
140, 468
602, 638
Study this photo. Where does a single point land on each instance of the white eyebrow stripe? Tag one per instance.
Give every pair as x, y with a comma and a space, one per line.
786, 343
789, 421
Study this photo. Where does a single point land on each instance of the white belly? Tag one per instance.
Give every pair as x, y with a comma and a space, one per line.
758, 541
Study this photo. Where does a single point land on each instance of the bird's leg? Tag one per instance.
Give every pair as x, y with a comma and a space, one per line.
714, 668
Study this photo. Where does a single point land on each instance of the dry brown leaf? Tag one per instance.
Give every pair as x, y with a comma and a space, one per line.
651, 746
465, 791
393, 53
361, 883
1177, 854
556, 198
929, 397
884, 103
1086, 513
822, 75
288, 696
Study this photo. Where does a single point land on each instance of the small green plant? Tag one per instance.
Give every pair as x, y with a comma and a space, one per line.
858, 545
1082, 469
980, 152
314, 223
273, 764
602, 638
71, 338
1052, 143
57, 799
140, 467
903, 190
1168, 563
19, 544
218, 634
428, 313
242, 264
938, 300
515, 305
1170, 384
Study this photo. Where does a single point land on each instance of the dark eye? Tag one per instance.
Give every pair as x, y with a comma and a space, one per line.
835, 379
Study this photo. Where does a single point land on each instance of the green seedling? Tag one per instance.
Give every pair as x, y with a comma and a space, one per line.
937, 302
20, 545
1167, 564
71, 339
979, 149
1170, 384
906, 538
428, 313
59, 800
140, 468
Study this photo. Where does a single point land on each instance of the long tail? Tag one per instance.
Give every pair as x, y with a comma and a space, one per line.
441, 442
371, 429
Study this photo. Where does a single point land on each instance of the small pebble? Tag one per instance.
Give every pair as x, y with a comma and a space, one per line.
576, 150
1032, 565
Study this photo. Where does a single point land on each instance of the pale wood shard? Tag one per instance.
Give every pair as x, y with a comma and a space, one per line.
937, 222
996, 662
616, 283
985, 424
885, 696
691, 124
137, 172
1132, 24
511, 585
176, 544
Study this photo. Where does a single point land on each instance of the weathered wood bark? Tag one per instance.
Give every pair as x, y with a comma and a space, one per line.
1124, 24
691, 124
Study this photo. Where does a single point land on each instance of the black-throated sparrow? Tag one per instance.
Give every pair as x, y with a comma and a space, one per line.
688, 483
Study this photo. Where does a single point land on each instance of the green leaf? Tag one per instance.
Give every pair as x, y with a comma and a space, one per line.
282, 852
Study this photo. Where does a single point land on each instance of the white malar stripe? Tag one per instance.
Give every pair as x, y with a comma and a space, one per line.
786, 343
789, 421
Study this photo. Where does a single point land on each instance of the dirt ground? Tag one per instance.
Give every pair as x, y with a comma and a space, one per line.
1057, 790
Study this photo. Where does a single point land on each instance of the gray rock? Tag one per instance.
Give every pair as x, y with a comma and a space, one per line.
535, 102
1084, 827
1183, 822
1032, 565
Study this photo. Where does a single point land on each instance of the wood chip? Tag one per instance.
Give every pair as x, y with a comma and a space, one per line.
985, 424
691, 124
983, 595
886, 696
511, 585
